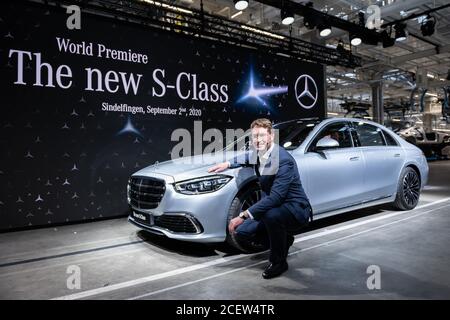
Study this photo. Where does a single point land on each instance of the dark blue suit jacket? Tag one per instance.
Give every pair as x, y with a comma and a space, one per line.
280, 184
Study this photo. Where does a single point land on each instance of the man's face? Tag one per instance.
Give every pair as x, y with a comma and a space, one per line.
261, 138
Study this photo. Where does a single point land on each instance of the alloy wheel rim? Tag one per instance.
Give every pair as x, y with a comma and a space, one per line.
411, 188
250, 199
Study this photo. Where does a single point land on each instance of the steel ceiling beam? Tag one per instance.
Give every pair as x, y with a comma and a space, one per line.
306, 11
419, 54
415, 15
198, 23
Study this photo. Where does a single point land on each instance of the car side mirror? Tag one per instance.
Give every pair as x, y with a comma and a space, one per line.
326, 143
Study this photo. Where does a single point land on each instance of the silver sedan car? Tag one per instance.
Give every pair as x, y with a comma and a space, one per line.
345, 164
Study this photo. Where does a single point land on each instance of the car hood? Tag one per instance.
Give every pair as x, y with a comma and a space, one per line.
187, 167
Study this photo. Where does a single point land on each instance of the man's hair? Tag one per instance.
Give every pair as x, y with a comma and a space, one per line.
263, 123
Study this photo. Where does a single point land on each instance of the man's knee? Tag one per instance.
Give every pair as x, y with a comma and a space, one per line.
242, 233
246, 230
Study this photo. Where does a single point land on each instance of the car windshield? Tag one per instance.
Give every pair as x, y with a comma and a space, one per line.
291, 135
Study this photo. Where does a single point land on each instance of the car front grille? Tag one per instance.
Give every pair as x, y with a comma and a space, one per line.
145, 192
178, 223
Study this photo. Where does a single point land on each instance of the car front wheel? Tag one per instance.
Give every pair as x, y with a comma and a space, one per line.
240, 203
408, 190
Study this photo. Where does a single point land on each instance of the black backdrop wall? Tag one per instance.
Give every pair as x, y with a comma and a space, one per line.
69, 138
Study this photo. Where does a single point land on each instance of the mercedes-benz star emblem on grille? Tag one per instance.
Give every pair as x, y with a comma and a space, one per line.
306, 91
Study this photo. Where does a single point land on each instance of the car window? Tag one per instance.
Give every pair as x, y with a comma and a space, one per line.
338, 131
290, 135
389, 139
369, 135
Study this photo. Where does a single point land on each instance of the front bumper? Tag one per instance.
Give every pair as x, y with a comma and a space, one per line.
207, 213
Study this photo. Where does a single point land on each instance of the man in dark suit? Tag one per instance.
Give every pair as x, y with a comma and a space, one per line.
283, 208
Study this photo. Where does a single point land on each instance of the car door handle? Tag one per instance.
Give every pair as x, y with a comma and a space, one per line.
354, 158
397, 155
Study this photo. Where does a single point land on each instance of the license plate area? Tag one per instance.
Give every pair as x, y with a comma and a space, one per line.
143, 217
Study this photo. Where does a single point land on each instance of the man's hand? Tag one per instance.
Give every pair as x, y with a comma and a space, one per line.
219, 167
234, 223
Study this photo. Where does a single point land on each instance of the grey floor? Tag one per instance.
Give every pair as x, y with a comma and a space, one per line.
333, 259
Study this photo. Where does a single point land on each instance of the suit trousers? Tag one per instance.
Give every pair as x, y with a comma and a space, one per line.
272, 231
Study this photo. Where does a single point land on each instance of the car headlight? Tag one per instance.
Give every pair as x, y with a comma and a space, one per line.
202, 185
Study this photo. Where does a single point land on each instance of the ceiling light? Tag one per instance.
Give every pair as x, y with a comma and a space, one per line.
409, 12
400, 32
263, 32
286, 16
427, 26
324, 30
287, 20
236, 14
355, 40
240, 4
164, 5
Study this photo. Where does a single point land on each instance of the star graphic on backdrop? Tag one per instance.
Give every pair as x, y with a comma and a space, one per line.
259, 92
129, 128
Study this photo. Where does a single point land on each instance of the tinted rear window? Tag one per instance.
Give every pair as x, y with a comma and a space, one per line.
369, 135
389, 139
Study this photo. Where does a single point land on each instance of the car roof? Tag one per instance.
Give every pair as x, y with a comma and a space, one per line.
327, 120
299, 120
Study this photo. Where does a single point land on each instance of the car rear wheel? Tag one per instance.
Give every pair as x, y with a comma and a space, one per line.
242, 202
408, 190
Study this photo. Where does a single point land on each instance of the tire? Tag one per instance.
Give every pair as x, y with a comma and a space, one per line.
408, 190
241, 202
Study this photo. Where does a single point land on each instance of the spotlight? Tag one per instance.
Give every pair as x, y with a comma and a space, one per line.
240, 4
355, 40
340, 47
386, 39
427, 26
324, 30
400, 32
309, 21
369, 38
286, 16
361, 18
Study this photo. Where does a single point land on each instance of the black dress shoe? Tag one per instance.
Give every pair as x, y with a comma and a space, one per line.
274, 270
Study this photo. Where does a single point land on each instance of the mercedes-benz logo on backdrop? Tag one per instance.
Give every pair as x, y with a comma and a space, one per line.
306, 91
